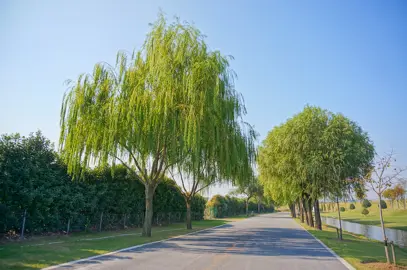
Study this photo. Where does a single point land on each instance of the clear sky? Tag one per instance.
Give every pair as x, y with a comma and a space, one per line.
345, 56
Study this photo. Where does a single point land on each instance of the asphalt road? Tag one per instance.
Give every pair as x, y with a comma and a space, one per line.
272, 241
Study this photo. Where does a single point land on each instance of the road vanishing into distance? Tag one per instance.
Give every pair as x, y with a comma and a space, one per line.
270, 241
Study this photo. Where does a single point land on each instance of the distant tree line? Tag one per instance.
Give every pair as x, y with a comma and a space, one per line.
396, 194
225, 206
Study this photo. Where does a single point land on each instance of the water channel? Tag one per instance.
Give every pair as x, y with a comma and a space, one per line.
373, 232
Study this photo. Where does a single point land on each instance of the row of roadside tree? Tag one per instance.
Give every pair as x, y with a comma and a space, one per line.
317, 155
314, 154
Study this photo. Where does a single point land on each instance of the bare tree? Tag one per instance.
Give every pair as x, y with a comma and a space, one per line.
382, 176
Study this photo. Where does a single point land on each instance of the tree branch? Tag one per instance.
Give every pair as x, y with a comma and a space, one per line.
130, 169
182, 180
205, 186
135, 161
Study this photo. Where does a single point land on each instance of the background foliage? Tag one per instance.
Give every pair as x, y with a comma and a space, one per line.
225, 206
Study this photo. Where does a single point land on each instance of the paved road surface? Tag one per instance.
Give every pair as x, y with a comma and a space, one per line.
272, 241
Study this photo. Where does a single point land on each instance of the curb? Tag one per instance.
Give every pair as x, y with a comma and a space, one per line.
129, 248
342, 260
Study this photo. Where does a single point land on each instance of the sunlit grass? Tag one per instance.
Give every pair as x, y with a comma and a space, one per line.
355, 249
25, 255
96, 251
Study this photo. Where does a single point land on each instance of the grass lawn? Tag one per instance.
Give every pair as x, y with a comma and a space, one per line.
30, 255
357, 249
396, 219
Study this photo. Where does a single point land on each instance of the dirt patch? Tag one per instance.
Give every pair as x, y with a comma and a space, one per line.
386, 266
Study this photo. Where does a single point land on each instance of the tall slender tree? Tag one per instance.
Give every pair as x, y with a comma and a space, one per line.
147, 112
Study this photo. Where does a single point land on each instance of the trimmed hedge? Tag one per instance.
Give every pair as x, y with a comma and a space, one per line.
366, 203
383, 204
35, 181
365, 212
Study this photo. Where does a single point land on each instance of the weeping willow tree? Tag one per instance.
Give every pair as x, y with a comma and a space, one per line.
154, 108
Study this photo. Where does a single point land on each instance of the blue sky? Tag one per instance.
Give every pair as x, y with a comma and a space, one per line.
345, 56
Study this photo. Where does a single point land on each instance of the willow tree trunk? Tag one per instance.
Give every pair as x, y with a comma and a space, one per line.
301, 212
386, 250
310, 217
148, 218
247, 207
304, 208
318, 222
258, 207
189, 219
294, 212
339, 218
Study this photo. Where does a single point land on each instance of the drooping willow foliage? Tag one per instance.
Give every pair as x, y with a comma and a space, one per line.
171, 99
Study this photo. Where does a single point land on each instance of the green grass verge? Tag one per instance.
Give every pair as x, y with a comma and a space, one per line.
28, 255
395, 219
356, 249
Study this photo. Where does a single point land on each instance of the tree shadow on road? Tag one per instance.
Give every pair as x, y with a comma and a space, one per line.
229, 239
253, 242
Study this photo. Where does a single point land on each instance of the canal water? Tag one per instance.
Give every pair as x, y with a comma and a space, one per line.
373, 232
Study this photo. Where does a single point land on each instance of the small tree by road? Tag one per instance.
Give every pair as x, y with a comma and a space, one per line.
193, 182
249, 189
381, 177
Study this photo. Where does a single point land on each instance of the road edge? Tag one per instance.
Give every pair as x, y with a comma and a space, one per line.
342, 260
128, 248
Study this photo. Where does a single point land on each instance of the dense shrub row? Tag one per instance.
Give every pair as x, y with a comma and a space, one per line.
34, 184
